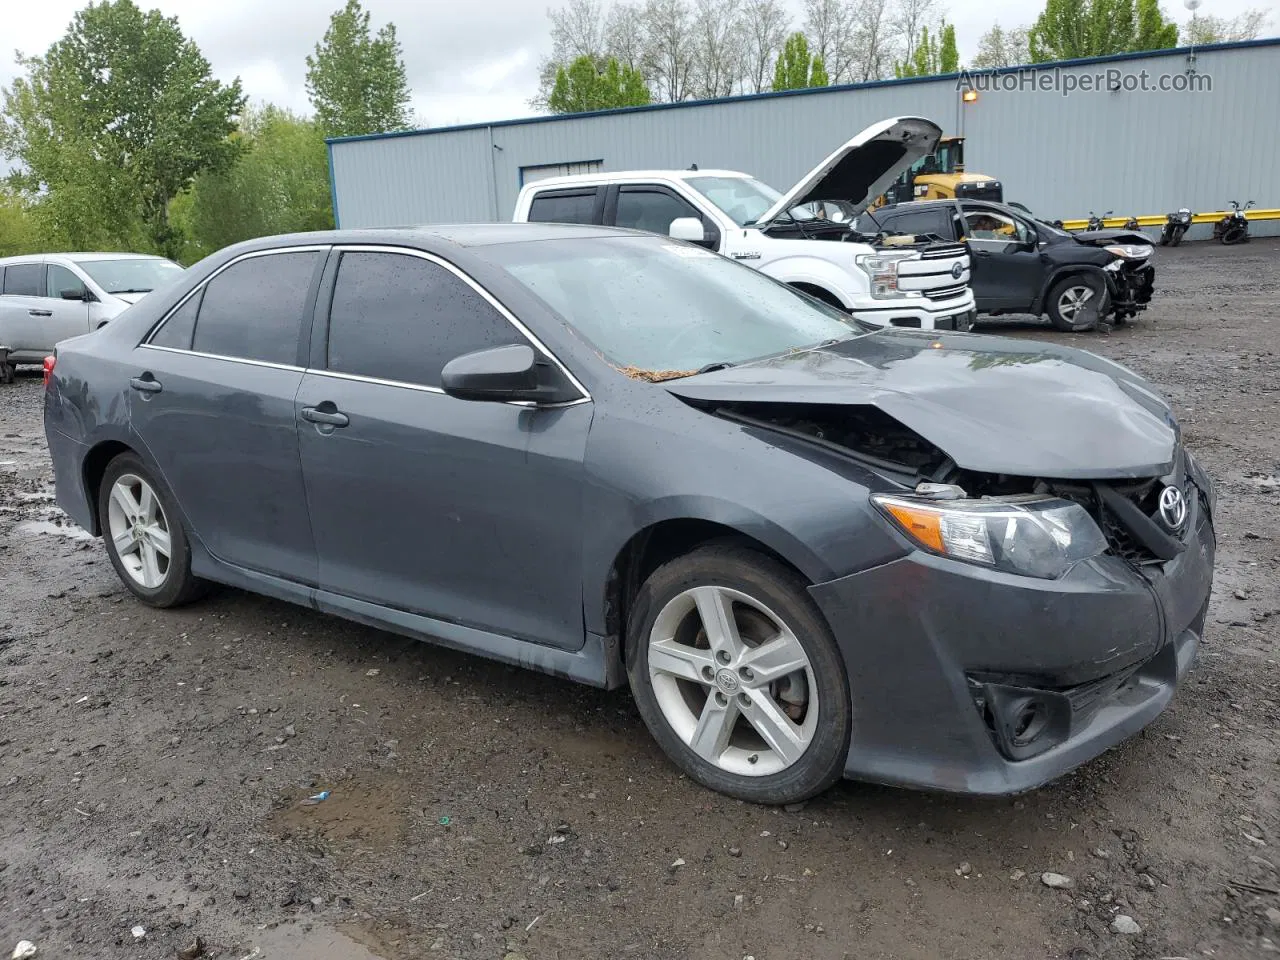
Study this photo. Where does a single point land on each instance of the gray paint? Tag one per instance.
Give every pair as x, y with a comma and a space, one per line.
1136, 153
544, 504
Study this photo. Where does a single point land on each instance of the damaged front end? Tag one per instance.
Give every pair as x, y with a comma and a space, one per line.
1130, 283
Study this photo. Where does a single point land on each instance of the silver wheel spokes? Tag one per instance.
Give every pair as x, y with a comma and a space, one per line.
139, 531
1073, 301
733, 681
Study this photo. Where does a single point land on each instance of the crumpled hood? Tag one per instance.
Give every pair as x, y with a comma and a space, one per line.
1110, 235
993, 405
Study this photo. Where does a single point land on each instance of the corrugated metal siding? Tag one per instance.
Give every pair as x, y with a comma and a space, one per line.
1132, 152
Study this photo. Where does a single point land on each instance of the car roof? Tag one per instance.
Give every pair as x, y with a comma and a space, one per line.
79, 257
621, 176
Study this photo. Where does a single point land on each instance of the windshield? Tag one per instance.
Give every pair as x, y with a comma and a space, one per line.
742, 198
141, 275
657, 309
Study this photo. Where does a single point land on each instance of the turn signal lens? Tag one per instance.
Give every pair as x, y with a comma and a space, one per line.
923, 526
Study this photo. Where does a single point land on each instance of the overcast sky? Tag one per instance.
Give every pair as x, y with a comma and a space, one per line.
467, 61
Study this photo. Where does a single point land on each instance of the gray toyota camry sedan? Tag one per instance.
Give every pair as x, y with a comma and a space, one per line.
954, 562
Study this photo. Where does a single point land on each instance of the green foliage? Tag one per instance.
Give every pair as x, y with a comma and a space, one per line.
18, 230
356, 80
583, 87
111, 124
797, 68
1067, 29
1210, 29
280, 185
933, 54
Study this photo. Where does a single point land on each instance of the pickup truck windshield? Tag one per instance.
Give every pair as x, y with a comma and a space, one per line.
741, 198
657, 309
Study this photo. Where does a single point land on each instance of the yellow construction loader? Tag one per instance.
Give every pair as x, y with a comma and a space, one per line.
941, 176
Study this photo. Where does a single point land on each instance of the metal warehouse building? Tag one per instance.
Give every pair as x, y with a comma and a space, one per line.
1064, 138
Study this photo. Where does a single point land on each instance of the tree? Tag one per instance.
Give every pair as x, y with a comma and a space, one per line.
1067, 29
948, 52
112, 123
909, 19
280, 185
18, 233
797, 68
356, 80
932, 54
1153, 31
1002, 48
765, 31
874, 43
717, 41
831, 25
1202, 30
669, 49
582, 87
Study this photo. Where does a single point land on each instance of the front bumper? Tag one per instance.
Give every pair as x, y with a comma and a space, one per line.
931, 644
957, 313
1131, 287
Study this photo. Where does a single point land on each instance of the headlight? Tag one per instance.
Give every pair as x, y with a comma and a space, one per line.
882, 271
1130, 251
1030, 535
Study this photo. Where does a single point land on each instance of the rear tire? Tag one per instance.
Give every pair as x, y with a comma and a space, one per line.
1077, 303
144, 537
778, 733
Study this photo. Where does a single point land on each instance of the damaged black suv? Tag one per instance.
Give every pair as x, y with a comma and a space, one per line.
1082, 280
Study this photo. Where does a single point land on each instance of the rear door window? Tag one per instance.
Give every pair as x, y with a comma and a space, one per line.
253, 309
400, 317
24, 280
564, 206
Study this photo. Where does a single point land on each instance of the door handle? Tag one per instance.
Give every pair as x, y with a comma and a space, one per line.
983, 253
331, 418
146, 384
40, 313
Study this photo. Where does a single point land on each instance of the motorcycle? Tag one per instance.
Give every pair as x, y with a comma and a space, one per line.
1132, 224
1175, 226
1097, 222
1234, 227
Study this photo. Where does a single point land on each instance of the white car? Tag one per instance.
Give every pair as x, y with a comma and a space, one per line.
806, 237
49, 297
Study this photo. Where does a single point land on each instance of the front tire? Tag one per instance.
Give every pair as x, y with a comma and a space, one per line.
738, 677
144, 536
1077, 303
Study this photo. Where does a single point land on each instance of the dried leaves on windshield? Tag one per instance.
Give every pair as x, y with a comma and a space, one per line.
654, 376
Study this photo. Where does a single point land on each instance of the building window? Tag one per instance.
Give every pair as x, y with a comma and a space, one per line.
541, 171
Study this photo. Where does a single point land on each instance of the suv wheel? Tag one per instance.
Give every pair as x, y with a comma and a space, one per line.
144, 538
737, 676
1077, 303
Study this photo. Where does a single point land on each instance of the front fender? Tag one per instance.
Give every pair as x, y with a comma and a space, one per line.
839, 282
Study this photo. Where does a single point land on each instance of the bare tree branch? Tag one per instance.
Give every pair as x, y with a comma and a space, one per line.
765, 25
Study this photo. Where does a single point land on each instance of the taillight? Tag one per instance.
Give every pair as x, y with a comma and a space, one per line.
49, 363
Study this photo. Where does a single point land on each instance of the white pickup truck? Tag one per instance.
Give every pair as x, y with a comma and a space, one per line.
805, 237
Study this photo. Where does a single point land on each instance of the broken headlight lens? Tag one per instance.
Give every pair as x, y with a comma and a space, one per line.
1130, 251
1029, 535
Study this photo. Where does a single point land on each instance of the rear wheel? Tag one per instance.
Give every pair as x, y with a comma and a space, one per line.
737, 676
1077, 303
143, 536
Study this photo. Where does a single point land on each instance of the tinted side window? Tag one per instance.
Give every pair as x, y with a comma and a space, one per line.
60, 279
24, 280
651, 210
923, 221
563, 207
253, 309
178, 330
399, 317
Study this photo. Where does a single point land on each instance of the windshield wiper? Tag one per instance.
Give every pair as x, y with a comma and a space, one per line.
717, 365
135, 290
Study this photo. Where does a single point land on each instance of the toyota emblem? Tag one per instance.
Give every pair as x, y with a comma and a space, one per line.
956, 270
1173, 508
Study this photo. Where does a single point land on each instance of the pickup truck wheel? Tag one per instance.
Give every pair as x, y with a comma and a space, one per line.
1076, 304
818, 294
738, 677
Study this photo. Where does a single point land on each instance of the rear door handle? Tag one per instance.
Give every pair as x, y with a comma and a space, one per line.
40, 313
146, 384
330, 417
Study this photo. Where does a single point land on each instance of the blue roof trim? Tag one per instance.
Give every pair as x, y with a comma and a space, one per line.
333, 184
810, 92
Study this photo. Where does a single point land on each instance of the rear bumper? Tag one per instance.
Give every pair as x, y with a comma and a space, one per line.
68, 457
939, 653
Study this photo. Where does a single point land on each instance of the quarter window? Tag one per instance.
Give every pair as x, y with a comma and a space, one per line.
61, 280
651, 210
178, 330
24, 280
400, 317
253, 309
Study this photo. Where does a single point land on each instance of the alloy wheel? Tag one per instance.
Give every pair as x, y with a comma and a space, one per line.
733, 681
139, 531
1074, 301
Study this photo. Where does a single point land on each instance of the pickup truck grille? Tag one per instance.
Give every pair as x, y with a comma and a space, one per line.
945, 293
944, 252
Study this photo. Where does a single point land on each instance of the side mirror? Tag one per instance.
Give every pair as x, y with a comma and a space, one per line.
505, 374
82, 294
687, 228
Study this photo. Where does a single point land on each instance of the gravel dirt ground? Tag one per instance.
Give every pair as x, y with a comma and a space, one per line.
153, 764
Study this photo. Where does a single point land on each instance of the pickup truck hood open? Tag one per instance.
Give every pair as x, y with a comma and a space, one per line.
862, 169
993, 405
